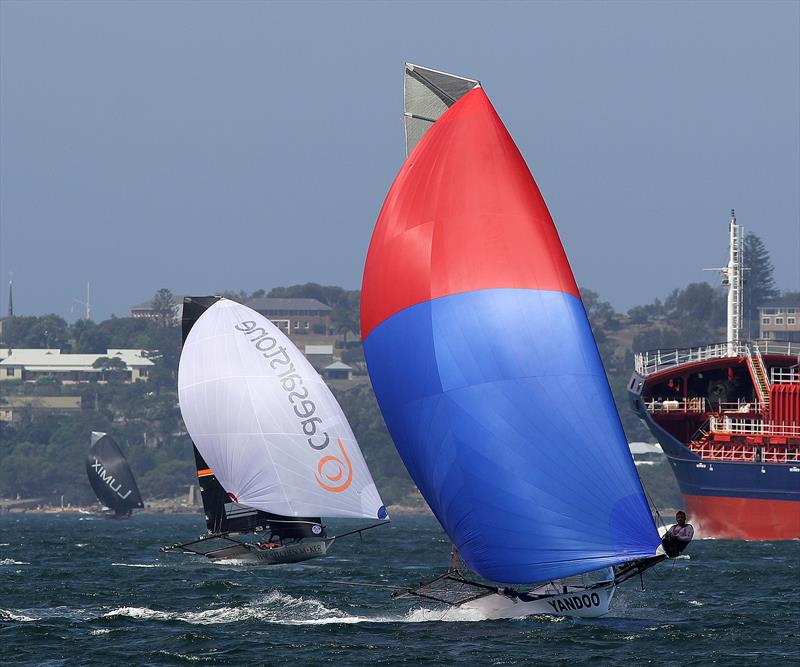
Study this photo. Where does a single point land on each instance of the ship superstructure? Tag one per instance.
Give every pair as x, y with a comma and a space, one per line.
727, 416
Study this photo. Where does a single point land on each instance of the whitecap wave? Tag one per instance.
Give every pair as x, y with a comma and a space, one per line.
283, 609
11, 561
100, 631
190, 658
137, 564
8, 615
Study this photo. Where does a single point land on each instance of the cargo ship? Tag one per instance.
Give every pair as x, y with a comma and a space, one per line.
727, 416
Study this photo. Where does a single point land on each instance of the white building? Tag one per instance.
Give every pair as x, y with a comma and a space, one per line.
32, 364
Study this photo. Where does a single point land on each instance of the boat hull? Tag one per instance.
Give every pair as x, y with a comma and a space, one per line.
586, 603
291, 553
745, 518
739, 500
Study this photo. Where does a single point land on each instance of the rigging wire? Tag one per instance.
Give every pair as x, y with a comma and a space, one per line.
655, 507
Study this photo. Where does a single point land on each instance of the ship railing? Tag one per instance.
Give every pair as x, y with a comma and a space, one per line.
714, 451
741, 406
697, 405
752, 427
784, 376
724, 452
655, 361
690, 405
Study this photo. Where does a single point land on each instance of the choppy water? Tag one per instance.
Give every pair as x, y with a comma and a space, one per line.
79, 590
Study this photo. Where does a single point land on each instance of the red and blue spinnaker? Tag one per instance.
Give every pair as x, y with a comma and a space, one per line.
484, 364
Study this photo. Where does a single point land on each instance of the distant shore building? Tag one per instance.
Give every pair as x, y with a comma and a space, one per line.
29, 365
14, 408
337, 371
319, 355
145, 310
296, 316
779, 320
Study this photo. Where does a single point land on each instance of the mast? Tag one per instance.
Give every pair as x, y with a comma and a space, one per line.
733, 279
11, 294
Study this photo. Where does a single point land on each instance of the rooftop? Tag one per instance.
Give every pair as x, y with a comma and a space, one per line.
338, 366
792, 301
54, 360
269, 303
319, 349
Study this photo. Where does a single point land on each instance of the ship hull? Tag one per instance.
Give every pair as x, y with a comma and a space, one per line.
731, 500
745, 518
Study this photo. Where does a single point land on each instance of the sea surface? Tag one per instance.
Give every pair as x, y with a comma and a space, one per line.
83, 590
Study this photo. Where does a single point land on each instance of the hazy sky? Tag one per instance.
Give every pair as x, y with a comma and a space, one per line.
212, 146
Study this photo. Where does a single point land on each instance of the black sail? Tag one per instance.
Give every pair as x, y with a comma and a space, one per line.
110, 475
222, 514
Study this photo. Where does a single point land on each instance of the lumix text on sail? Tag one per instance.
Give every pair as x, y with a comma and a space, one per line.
108, 478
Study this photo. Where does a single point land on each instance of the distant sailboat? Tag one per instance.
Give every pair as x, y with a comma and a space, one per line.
111, 477
273, 449
486, 371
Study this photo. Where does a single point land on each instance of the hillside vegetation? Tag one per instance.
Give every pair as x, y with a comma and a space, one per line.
43, 456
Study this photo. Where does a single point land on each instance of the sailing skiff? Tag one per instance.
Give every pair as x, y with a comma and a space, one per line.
488, 376
273, 450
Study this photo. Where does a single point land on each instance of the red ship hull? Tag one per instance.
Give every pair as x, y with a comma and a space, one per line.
744, 518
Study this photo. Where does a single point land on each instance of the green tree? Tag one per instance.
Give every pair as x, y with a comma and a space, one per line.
47, 331
759, 284
113, 368
164, 307
89, 338
346, 316
647, 313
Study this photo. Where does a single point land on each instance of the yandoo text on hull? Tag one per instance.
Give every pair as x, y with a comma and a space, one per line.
727, 416
273, 449
111, 477
481, 357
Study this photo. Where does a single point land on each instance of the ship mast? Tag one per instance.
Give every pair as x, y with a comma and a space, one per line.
735, 275
733, 279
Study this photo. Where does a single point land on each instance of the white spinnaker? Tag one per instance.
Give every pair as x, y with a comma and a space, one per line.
266, 423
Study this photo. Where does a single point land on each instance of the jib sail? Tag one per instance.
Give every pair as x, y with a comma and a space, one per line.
484, 363
266, 423
110, 475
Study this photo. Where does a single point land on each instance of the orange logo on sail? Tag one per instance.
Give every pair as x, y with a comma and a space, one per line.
331, 472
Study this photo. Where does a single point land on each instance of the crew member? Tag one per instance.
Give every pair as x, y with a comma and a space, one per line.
677, 538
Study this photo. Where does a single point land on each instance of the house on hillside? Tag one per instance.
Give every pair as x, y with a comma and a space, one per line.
296, 316
319, 355
778, 320
13, 408
145, 310
337, 371
30, 365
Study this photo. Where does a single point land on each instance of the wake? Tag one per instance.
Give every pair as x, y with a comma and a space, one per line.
283, 609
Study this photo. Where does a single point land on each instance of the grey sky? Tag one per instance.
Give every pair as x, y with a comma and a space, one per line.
205, 146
